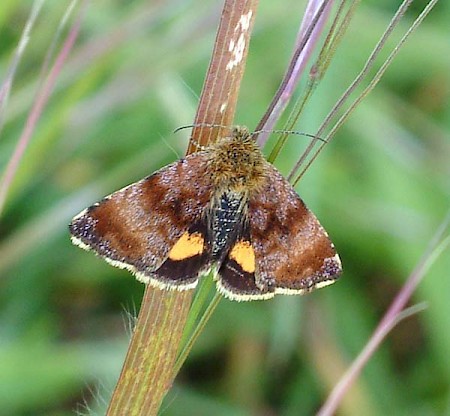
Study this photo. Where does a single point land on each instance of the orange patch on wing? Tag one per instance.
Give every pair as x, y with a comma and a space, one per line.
189, 245
242, 253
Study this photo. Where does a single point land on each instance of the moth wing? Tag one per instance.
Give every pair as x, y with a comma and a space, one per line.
293, 252
140, 226
236, 274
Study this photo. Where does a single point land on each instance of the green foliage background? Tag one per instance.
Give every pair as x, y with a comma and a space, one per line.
380, 189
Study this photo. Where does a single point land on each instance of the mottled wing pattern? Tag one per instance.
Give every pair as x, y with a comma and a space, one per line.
294, 254
136, 227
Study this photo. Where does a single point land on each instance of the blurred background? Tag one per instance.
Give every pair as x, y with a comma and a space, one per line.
380, 188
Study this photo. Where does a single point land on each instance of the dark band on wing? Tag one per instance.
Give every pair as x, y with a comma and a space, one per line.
236, 275
187, 259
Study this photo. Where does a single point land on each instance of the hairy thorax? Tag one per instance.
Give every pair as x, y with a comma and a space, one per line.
237, 164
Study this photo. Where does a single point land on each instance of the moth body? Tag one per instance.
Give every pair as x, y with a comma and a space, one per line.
225, 208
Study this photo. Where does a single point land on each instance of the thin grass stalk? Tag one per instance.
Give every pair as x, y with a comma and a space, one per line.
221, 88
392, 317
196, 333
314, 24
147, 373
206, 286
359, 78
23, 42
38, 107
327, 51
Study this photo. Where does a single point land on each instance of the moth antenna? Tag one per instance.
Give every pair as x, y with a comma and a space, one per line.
298, 133
189, 126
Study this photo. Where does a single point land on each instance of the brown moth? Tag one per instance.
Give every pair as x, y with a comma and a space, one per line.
223, 208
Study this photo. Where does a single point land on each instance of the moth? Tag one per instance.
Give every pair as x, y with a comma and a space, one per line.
224, 208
